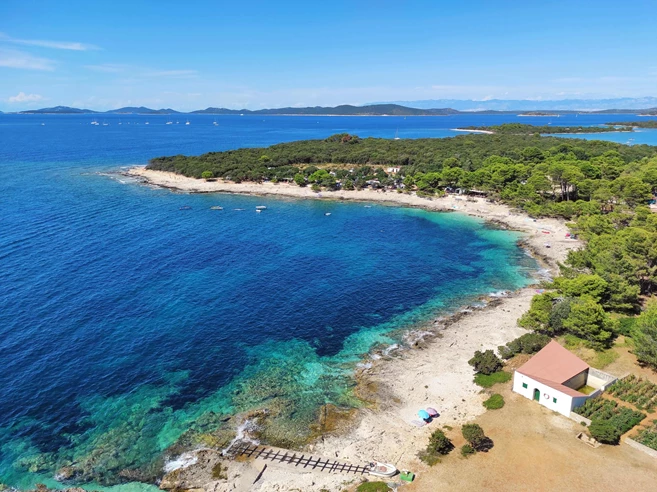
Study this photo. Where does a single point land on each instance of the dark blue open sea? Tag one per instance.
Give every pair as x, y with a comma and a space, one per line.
124, 321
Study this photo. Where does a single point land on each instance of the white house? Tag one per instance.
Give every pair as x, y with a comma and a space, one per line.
553, 377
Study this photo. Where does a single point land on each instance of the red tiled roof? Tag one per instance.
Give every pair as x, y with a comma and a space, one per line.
554, 364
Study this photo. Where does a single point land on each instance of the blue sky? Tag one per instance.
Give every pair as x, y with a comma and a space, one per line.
194, 54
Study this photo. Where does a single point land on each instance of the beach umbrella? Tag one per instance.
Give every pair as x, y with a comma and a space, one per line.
432, 411
423, 415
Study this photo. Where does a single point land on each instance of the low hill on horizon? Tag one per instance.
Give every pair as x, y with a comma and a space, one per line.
341, 110
142, 110
59, 110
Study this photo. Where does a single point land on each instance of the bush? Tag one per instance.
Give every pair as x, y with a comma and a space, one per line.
439, 443
488, 380
495, 402
373, 487
529, 343
486, 362
219, 472
474, 434
603, 431
207, 175
467, 450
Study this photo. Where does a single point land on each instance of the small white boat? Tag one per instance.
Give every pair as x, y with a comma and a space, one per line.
187, 122
381, 469
397, 134
258, 210
261, 207
327, 213
216, 207
146, 123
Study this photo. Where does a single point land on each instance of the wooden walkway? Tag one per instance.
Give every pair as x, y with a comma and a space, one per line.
300, 461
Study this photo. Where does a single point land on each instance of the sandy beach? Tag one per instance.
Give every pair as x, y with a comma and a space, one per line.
436, 373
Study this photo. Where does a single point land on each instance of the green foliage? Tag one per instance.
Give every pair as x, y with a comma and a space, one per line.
639, 392
603, 431
439, 443
529, 343
474, 434
486, 362
523, 129
584, 284
648, 436
373, 487
495, 402
467, 450
626, 325
538, 316
645, 336
219, 472
207, 175
588, 320
299, 179
489, 380
611, 419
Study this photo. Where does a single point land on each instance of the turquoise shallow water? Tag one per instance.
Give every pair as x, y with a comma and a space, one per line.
125, 321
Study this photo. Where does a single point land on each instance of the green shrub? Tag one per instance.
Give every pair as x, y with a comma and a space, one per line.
486, 362
439, 443
373, 487
428, 457
488, 380
474, 434
467, 450
495, 402
626, 326
605, 432
529, 343
219, 472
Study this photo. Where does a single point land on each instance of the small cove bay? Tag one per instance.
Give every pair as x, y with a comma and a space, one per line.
128, 326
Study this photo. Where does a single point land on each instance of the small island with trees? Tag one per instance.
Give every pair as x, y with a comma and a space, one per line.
522, 129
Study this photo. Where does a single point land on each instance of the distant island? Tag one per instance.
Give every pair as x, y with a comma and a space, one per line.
522, 129
342, 110
637, 124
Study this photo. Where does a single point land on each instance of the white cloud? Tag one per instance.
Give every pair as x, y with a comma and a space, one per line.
142, 72
56, 45
171, 73
21, 97
107, 67
19, 59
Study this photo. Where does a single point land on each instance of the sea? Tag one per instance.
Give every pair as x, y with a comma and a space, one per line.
131, 316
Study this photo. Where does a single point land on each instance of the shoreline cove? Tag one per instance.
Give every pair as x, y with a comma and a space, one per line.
394, 383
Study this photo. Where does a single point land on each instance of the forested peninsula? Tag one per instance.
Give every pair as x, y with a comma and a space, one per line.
522, 129
603, 188
637, 124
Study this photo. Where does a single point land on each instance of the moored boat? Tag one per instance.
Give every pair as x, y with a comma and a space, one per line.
381, 469
216, 207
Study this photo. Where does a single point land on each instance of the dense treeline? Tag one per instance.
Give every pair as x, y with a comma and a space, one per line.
637, 124
523, 129
602, 186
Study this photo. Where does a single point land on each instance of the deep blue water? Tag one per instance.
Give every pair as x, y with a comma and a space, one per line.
124, 320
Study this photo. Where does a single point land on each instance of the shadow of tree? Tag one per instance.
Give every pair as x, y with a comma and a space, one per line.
485, 444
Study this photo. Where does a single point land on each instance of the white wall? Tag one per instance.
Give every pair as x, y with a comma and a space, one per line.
563, 404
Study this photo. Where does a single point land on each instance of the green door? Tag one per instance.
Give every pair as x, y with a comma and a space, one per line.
537, 395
